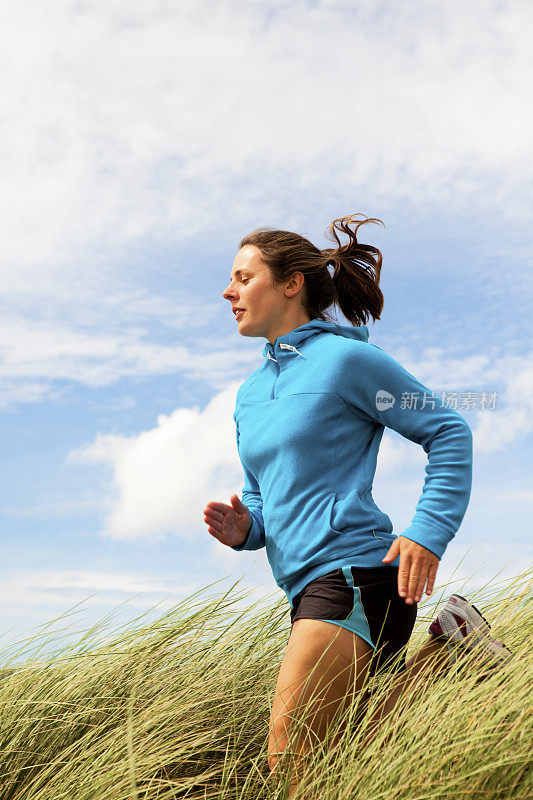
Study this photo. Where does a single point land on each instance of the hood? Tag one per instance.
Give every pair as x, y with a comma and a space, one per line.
313, 328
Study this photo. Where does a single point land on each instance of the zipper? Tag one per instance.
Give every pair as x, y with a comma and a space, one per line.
284, 346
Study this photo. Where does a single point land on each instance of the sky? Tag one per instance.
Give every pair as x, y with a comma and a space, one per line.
140, 142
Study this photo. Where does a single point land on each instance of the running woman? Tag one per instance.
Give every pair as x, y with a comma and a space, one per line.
309, 422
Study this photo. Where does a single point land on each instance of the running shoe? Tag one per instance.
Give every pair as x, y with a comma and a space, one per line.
464, 628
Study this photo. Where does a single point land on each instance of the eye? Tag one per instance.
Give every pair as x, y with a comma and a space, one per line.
245, 280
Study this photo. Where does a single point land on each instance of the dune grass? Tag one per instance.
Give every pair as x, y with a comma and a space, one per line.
179, 707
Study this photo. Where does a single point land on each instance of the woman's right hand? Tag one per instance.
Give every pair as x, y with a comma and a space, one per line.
228, 524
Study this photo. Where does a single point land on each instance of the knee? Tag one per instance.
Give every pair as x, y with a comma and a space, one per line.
287, 761
279, 759
282, 742
273, 760
277, 743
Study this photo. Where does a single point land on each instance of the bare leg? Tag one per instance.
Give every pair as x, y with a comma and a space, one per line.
323, 668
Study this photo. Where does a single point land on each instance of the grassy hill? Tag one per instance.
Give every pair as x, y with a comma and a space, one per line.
179, 708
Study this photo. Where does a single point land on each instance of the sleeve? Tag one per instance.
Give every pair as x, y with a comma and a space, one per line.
377, 388
251, 497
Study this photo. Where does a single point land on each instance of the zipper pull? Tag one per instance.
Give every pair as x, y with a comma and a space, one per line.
284, 346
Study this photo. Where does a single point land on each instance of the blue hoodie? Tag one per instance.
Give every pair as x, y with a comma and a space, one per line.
309, 422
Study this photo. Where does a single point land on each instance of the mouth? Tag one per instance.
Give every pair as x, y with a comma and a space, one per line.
238, 312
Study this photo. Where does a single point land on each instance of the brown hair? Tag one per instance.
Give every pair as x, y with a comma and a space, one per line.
354, 285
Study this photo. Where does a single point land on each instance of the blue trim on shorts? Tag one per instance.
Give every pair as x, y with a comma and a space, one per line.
356, 621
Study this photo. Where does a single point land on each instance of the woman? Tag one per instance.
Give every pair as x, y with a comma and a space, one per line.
309, 422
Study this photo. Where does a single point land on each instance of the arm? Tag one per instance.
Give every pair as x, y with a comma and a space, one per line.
441, 431
251, 497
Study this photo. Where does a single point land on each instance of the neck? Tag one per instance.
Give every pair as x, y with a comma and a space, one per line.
288, 325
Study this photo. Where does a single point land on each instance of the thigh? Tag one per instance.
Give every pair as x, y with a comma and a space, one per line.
323, 668
364, 600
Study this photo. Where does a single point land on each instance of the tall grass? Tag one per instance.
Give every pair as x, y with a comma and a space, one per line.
179, 707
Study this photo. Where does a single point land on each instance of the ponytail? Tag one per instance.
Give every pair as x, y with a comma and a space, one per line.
357, 271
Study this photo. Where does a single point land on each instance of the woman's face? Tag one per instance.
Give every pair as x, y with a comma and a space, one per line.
251, 289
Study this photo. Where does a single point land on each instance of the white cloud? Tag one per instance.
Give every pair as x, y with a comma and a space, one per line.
115, 582
57, 505
15, 391
127, 121
142, 123
164, 477
397, 455
494, 431
37, 354
516, 496
51, 352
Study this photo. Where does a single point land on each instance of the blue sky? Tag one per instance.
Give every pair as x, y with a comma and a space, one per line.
141, 143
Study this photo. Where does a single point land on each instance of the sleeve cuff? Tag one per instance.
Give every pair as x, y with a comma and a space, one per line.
429, 536
253, 537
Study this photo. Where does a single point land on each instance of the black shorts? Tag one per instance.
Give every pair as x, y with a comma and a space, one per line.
364, 600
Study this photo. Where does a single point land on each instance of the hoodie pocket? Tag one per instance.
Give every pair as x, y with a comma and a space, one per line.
337, 520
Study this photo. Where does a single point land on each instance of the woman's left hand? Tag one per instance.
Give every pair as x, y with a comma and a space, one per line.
417, 565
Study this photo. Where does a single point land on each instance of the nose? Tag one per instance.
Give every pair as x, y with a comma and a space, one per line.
227, 295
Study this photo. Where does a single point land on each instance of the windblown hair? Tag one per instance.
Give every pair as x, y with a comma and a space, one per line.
354, 284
